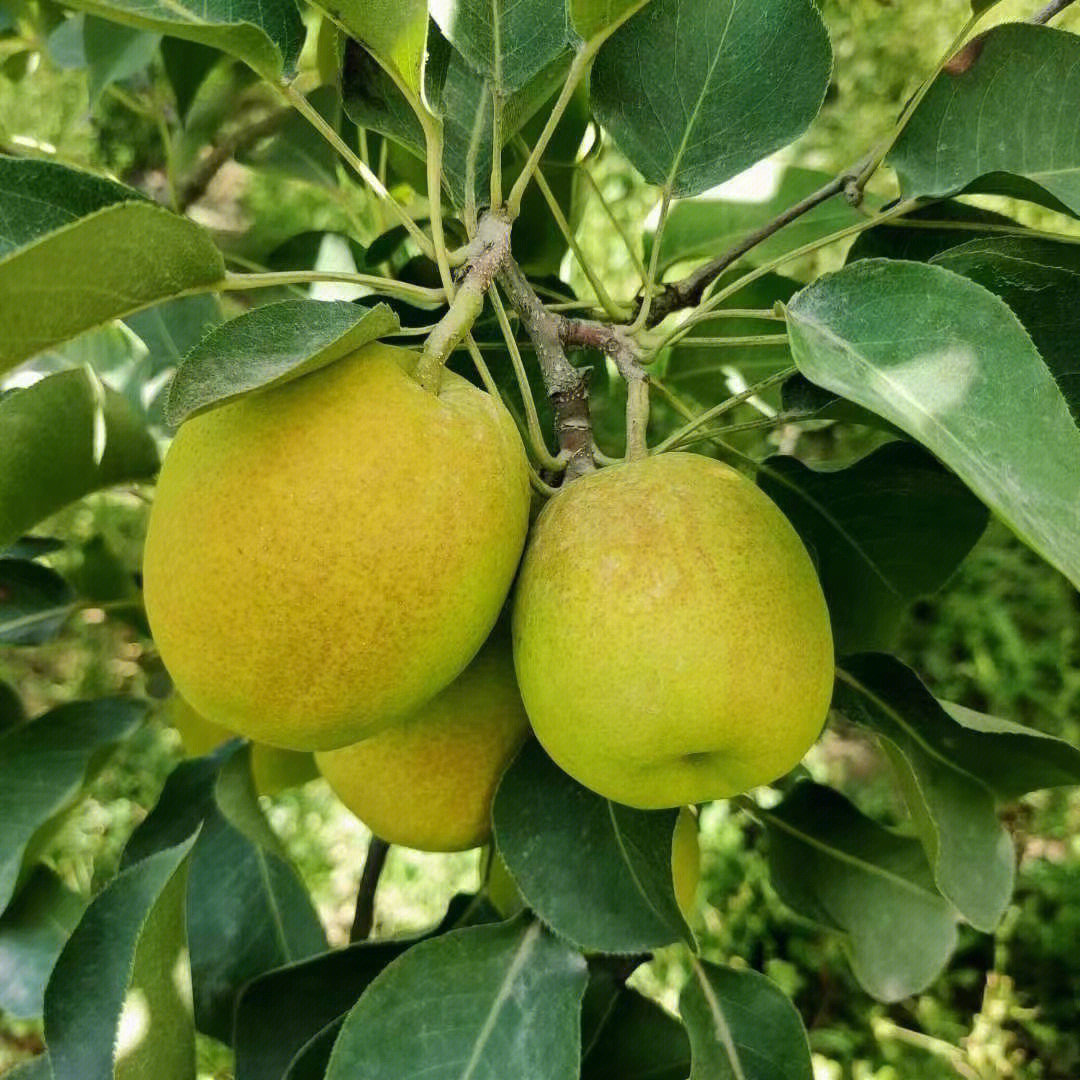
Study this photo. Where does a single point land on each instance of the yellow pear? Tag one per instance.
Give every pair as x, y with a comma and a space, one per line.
671, 638
326, 555
686, 862
428, 782
272, 769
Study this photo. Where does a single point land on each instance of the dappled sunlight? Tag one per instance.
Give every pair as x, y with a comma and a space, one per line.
134, 1024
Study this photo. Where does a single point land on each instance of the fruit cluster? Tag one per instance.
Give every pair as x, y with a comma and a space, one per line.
326, 565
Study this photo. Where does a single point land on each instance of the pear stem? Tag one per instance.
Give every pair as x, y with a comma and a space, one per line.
364, 917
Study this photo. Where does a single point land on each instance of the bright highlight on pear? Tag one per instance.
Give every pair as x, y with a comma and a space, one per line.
428, 782
326, 555
671, 638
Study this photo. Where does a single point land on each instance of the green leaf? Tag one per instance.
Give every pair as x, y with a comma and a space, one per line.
1010, 759
952, 809
32, 933
927, 231
43, 767
37, 1068
592, 19
696, 91
1040, 281
60, 439
118, 1004
266, 34
599, 874
373, 101
32, 547
35, 602
998, 127
115, 53
637, 1040
838, 868
706, 227
247, 910
187, 64
514, 1011
394, 32
120, 253
742, 1027
946, 361
271, 345
507, 42
883, 532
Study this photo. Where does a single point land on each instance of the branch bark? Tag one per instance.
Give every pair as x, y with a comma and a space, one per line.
1055, 7
567, 387
689, 290
195, 185
364, 917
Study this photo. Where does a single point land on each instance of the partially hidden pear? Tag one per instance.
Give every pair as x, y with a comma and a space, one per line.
326, 555
272, 769
428, 782
671, 638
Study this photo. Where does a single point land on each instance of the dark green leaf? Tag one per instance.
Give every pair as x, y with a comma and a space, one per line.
637, 1040
951, 807
313, 1057
742, 1027
1040, 281
696, 91
599, 874
247, 911
706, 227
43, 767
506, 42
114, 53
374, 101
35, 602
998, 126
119, 1000
950, 364
269, 346
32, 547
32, 933
514, 1010
120, 253
38, 1068
266, 35
186, 63
60, 439
831, 864
883, 532
11, 708
1010, 759
927, 232
328, 985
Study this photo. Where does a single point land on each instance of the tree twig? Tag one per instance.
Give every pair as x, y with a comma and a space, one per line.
1055, 7
567, 387
374, 861
194, 186
688, 291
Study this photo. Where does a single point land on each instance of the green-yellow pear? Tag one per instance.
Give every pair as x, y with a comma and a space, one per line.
671, 638
686, 862
272, 769
325, 555
428, 781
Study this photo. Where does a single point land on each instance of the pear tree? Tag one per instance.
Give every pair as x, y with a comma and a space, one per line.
517, 547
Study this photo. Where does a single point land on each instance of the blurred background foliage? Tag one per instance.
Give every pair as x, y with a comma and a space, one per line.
1002, 637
